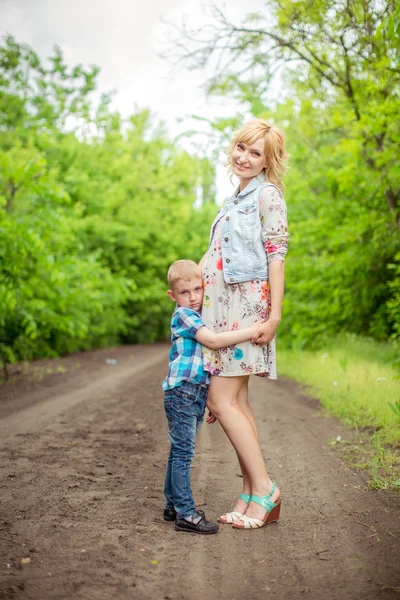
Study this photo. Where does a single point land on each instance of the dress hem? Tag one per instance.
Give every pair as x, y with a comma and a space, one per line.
242, 374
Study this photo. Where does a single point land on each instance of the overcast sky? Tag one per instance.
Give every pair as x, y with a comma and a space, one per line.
124, 37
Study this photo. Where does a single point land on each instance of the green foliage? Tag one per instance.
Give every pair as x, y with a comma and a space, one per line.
93, 209
393, 304
344, 238
395, 408
356, 379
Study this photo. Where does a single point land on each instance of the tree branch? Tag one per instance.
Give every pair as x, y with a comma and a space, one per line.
349, 91
288, 44
13, 189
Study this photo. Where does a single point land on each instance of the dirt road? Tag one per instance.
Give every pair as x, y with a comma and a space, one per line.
83, 453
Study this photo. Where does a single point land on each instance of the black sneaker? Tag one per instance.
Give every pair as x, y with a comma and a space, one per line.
196, 524
170, 514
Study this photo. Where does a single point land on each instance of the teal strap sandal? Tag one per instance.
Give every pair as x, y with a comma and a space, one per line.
232, 517
265, 501
272, 515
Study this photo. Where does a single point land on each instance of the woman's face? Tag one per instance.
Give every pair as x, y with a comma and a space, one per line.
248, 160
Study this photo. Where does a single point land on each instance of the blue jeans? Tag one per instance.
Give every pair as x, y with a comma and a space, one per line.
184, 407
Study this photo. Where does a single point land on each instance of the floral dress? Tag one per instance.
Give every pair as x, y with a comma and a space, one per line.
227, 307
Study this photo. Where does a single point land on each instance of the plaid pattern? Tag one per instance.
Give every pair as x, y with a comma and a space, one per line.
185, 357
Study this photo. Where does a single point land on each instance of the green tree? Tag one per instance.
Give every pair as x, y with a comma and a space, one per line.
93, 208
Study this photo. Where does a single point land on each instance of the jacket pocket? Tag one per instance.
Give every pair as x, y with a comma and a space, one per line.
248, 214
247, 220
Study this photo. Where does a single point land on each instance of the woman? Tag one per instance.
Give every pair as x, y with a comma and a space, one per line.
243, 273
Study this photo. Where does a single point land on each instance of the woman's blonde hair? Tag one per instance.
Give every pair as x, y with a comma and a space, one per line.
274, 148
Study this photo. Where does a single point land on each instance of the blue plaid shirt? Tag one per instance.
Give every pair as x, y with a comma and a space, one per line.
185, 357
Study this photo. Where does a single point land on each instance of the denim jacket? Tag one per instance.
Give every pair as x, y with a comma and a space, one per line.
245, 243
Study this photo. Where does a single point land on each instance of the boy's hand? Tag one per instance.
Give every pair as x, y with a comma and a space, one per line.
255, 329
210, 418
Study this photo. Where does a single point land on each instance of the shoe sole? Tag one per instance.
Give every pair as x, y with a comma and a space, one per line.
177, 528
174, 518
254, 528
272, 517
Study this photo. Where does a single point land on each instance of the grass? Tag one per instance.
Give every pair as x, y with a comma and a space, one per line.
358, 381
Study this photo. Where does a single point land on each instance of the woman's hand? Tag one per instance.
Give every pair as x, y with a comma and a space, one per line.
265, 332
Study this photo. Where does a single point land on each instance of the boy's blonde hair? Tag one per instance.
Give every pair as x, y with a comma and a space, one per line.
274, 148
183, 269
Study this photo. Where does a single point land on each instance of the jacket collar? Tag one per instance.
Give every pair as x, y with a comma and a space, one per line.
254, 184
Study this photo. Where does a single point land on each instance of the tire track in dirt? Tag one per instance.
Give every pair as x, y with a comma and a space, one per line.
45, 408
81, 497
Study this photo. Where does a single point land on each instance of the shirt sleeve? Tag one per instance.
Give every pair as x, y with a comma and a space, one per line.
187, 323
273, 217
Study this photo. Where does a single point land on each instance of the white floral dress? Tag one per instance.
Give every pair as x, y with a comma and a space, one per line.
227, 307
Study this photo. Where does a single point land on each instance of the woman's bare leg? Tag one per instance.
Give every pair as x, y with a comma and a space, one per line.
241, 506
223, 402
243, 401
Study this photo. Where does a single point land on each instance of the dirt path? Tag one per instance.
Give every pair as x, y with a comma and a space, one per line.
82, 461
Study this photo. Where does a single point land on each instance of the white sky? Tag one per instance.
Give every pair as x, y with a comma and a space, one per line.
123, 38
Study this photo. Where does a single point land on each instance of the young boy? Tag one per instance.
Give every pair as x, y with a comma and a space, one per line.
185, 391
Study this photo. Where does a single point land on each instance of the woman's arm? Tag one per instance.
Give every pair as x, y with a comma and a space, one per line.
275, 238
267, 330
227, 338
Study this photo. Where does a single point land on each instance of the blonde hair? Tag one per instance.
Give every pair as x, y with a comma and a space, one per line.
183, 269
274, 148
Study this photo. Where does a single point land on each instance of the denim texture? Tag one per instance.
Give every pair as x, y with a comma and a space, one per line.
184, 408
243, 251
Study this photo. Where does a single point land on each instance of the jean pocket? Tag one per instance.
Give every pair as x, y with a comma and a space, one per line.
187, 399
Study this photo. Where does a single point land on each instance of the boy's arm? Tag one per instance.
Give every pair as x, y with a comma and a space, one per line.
203, 260
227, 338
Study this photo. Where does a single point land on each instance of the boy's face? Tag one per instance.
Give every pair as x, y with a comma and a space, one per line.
188, 293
